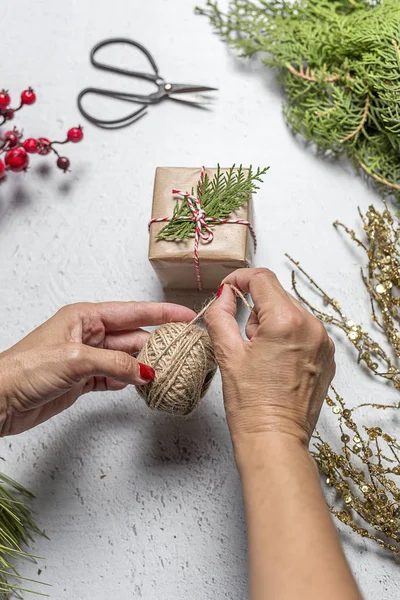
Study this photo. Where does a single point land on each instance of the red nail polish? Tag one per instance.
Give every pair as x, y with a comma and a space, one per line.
146, 372
221, 287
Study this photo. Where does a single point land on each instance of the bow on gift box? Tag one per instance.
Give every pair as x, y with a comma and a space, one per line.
219, 197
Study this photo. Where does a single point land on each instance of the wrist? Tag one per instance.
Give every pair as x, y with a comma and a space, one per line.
256, 452
4, 414
5, 404
264, 420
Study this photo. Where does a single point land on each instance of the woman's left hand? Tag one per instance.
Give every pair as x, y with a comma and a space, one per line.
82, 348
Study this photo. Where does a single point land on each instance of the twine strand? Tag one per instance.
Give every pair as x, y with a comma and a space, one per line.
237, 292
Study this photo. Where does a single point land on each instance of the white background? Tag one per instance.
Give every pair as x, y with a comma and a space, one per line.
167, 520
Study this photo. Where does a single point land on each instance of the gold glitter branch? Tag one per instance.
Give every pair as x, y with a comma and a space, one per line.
366, 468
370, 352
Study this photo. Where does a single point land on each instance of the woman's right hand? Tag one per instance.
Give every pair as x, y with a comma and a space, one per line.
276, 381
274, 385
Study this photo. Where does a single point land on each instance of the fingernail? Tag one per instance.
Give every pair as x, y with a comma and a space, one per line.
221, 287
146, 372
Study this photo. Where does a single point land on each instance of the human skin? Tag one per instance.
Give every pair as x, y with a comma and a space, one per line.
83, 348
274, 385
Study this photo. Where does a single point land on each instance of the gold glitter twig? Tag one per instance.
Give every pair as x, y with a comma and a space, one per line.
364, 471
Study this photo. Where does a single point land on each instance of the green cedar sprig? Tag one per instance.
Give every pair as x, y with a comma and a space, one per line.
339, 64
17, 528
219, 197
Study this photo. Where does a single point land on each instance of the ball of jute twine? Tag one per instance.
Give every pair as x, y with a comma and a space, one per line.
183, 358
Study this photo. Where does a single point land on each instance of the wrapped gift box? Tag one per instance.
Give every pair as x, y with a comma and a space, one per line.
231, 248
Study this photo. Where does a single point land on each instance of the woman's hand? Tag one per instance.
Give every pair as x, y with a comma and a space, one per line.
274, 386
277, 380
82, 348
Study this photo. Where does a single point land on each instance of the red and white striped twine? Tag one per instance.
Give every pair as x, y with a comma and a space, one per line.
203, 230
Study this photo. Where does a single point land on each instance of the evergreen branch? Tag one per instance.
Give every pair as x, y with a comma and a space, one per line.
385, 182
360, 126
17, 527
219, 197
308, 75
339, 64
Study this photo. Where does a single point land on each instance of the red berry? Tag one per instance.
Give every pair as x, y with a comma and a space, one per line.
31, 145
17, 159
4, 99
28, 96
75, 134
8, 114
2, 169
12, 138
44, 146
63, 163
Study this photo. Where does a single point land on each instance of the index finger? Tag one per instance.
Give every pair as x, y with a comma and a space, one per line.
119, 316
262, 284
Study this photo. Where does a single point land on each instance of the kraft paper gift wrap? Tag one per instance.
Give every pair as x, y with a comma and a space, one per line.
232, 247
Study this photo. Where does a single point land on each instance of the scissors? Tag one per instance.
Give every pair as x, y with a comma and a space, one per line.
174, 91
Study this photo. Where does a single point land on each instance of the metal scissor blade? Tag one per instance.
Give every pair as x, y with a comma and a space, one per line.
182, 88
196, 99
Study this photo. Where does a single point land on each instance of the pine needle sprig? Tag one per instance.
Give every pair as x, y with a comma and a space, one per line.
339, 64
17, 528
219, 197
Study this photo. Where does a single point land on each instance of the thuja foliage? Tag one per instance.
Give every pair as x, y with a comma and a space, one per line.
339, 64
219, 197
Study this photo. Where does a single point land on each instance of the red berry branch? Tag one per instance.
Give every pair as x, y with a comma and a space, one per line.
17, 150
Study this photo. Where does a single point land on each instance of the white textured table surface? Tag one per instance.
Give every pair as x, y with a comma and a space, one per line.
167, 520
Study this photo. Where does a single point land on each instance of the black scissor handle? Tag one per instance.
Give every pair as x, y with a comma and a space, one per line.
111, 123
99, 65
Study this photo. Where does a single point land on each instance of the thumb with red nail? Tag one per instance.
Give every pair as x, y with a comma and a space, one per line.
146, 372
